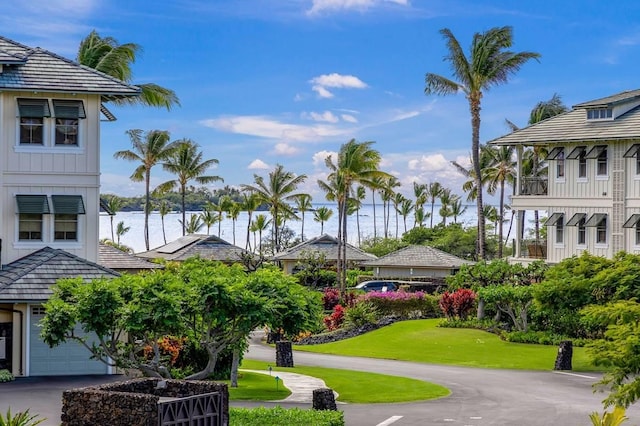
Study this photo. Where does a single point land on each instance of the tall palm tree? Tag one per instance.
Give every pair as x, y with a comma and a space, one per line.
260, 224
433, 192
420, 216
121, 229
222, 206
149, 149
303, 204
375, 184
457, 209
164, 208
106, 55
489, 64
359, 196
405, 208
114, 204
398, 198
356, 163
250, 203
194, 224
446, 198
322, 214
388, 192
233, 213
502, 172
209, 216
276, 193
469, 186
187, 164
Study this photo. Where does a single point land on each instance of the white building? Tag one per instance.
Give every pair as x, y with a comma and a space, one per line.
50, 114
591, 191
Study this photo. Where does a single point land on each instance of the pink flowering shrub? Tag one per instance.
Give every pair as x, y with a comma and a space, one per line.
402, 303
458, 304
335, 320
330, 298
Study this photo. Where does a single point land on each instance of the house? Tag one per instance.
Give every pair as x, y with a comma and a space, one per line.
416, 262
50, 114
591, 191
122, 262
324, 244
204, 246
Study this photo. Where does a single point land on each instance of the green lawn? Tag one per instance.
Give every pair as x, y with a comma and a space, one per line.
256, 387
423, 341
361, 387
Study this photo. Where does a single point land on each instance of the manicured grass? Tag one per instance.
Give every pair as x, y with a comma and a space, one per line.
256, 387
423, 341
361, 387
280, 416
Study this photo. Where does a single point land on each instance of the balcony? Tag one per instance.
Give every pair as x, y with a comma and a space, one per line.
534, 186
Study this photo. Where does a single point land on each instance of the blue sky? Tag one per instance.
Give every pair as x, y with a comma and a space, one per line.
263, 82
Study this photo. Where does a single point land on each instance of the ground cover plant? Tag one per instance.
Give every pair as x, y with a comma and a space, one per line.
361, 387
281, 416
424, 341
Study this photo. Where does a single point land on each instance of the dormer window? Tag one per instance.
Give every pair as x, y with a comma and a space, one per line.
600, 114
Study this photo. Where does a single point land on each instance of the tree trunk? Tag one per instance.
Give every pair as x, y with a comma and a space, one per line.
147, 200
501, 221
184, 214
373, 199
481, 306
235, 363
209, 368
474, 104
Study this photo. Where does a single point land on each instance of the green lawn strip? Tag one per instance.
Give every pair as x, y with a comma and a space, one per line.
361, 387
256, 387
262, 416
423, 341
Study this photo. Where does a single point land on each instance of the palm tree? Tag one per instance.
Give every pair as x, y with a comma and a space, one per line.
187, 164
489, 64
121, 229
405, 209
375, 184
501, 172
164, 208
303, 204
209, 216
358, 197
279, 190
388, 192
446, 198
433, 192
106, 55
420, 216
223, 206
149, 149
194, 224
250, 203
398, 198
470, 185
114, 204
457, 209
233, 213
260, 224
356, 163
322, 214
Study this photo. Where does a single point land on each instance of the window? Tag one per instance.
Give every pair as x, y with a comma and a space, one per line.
32, 113
582, 166
601, 168
66, 209
600, 114
638, 233
560, 230
633, 152
31, 209
560, 164
67, 113
601, 232
582, 232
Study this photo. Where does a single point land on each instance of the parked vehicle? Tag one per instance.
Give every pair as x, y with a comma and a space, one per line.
379, 285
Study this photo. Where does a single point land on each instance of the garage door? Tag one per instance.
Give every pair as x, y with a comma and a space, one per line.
69, 358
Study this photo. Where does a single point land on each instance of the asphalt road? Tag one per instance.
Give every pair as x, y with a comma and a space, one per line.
478, 396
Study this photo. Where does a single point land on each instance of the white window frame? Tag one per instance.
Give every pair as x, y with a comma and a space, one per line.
560, 232
603, 159
582, 230
601, 230
560, 166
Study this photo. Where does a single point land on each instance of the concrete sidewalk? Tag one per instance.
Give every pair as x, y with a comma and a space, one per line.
301, 386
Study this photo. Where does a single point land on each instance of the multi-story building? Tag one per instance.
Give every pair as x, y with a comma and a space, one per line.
590, 189
50, 114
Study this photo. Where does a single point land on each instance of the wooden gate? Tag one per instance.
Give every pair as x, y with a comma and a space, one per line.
198, 410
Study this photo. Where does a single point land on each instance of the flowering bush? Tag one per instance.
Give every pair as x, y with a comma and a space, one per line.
402, 303
169, 346
458, 304
330, 298
335, 320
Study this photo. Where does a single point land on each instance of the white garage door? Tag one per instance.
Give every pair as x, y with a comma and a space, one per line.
69, 358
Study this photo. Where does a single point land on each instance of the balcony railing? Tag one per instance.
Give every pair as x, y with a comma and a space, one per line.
534, 186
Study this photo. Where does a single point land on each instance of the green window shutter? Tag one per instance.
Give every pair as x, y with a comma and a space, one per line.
36, 204
67, 204
33, 108
632, 221
596, 219
68, 109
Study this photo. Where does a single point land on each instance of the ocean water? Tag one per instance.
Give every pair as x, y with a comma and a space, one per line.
173, 230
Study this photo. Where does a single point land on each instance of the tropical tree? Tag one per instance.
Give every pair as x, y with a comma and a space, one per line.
209, 217
433, 192
259, 225
276, 193
322, 214
233, 214
388, 194
303, 204
121, 229
114, 204
405, 208
356, 163
457, 209
502, 172
106, 55
359, 195
398, 198
193, 225
221, 207
375, 185
446, 199
489, 64
149, 149
250, 203
420, 216
186, 162
164, 208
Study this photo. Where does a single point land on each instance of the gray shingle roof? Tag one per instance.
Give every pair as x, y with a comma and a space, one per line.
417, 256
37, 69
573, 126
204, 246
31, 277
112, 258
325, 244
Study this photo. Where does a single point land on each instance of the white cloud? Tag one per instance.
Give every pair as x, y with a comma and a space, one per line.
321, 83
320, 157
258, 164
349, 118
433, 162
285, 149
327, 117
266, 127
322, 6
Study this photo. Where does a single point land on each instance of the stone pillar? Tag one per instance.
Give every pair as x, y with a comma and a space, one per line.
565, 353
284, 354
324, 399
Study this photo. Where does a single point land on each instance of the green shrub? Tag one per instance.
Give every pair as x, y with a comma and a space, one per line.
361, 314
280, 416
6, 376
403, 304
21, 418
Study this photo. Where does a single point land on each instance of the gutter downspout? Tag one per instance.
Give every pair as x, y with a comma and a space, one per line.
21, 335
